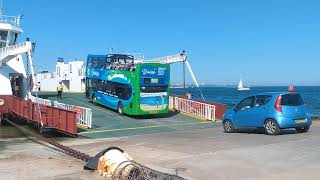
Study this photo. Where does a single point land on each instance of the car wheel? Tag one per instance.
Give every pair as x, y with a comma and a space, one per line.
228, 126
120, 108
271, 127
303, 129
94, 99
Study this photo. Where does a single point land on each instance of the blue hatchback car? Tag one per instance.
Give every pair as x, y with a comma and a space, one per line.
271, 111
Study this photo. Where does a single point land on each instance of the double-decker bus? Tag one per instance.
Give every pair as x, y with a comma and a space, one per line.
117, 82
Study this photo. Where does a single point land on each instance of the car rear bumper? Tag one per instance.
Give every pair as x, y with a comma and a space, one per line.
292, 123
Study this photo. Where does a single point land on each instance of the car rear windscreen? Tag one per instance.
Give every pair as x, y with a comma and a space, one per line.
291, 100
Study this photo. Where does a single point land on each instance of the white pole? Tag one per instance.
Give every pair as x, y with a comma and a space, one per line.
194, 78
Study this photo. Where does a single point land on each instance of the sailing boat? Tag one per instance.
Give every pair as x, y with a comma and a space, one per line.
241, 87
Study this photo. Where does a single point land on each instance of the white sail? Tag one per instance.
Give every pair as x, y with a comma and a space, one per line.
241, 87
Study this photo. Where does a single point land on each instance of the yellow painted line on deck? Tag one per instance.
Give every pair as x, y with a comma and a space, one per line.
196, 117
142, 127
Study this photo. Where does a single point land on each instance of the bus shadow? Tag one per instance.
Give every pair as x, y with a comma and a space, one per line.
154, 116
149, 116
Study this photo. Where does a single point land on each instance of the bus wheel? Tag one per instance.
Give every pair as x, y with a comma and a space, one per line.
94, 99
120, 108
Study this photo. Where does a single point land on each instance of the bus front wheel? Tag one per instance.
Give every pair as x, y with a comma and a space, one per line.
120, 108
94, 99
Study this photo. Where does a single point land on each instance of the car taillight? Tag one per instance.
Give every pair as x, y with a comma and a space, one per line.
277, 105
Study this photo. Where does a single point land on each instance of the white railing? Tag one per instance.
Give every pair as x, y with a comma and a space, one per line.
84, 115
14, 50
194, 108
171, 102
13, 20
40, 100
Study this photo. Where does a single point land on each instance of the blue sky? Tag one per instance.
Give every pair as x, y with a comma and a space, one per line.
271, 42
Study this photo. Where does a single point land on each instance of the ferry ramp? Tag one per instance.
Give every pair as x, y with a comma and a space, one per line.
107, 123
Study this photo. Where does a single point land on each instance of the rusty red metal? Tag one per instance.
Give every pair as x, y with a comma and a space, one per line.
220, 108
51, 117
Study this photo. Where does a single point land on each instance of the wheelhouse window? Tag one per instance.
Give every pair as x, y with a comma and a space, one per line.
3, 38
12, 38
3, 35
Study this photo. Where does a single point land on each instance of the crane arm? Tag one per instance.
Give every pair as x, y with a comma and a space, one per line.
167, 59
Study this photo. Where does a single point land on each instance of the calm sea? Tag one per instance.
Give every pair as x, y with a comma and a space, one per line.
231, 96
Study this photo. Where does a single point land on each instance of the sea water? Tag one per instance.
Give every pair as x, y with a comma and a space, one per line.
231, 96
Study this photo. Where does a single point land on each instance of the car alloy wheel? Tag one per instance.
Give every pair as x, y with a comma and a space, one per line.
272, 127
228, 127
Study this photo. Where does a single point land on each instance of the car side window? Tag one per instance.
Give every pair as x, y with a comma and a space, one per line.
245, 104
261, 100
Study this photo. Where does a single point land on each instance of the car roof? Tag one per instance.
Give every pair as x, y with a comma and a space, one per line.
276, 93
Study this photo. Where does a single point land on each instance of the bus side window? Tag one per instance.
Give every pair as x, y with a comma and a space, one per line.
89, 62
108, 86
93, 84
128, 91
119, 90
100, 85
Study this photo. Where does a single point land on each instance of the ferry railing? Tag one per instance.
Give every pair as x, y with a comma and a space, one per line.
40, 100
194, 108
13, 20
14, 50
84, 115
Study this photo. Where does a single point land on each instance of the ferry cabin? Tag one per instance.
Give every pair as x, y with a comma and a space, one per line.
13, 78
117, 82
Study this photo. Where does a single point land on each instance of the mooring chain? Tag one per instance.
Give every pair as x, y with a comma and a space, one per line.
65, 149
